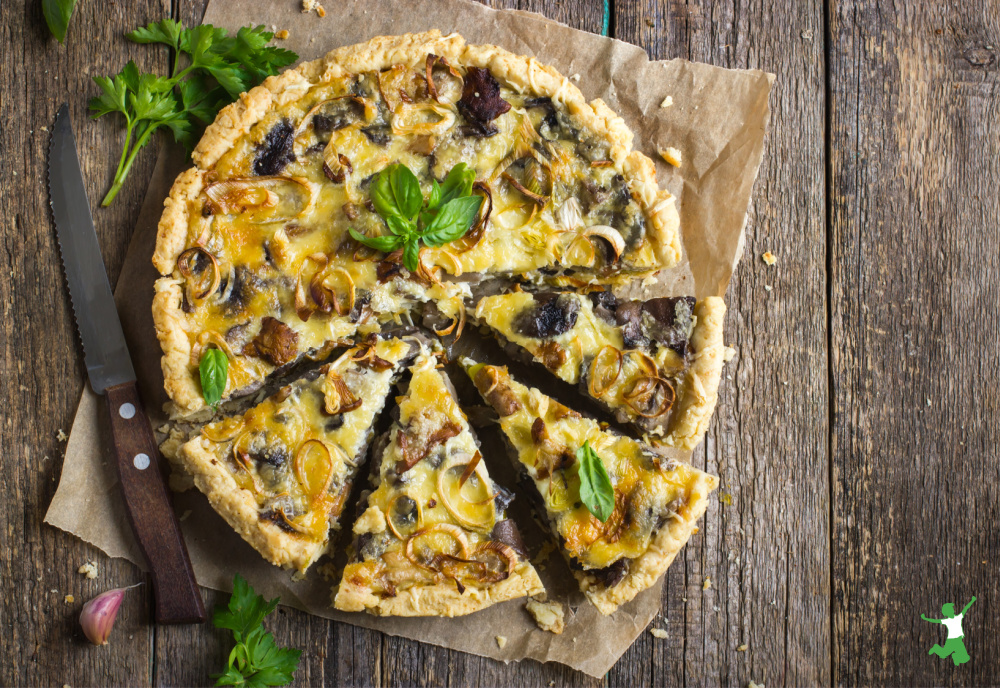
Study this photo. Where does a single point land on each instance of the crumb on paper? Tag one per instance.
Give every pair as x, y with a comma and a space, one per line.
658, 633
88, 569
650, 281
575, 77
667, 102
728, 354
671, 155
726, 498
741, 648
769, 258
707, 584
543, 553
768, 287
501, 641
61, 436
548, 616
69, 599
313, 6
282, 35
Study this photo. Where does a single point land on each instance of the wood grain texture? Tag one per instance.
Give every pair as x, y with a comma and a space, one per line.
856, 506
915, 259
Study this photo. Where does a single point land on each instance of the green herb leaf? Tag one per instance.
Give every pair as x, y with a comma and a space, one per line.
57, 15
596, 491
411, 254
214, 369
385, 244
255, 660
405, 190
458, 183
452, 221
167, 32
400, 227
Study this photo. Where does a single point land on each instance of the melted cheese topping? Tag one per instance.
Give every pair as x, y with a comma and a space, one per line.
272, 238
423, 512
576, 349
649, 488
296, 458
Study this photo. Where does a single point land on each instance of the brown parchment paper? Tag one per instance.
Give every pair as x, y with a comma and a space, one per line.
717, 120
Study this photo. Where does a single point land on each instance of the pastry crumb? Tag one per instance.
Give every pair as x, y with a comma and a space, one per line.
69, 599
658, 633
667, 102
543, 553
755, 685
61, 436
282, 35
575, 77
707, 584
768, 287
548, 616
88, 569
671, 155
769, 258
741, 648
501, 641
313, 6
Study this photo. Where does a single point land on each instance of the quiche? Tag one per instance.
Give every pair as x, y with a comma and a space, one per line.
432, 539
655, 364
656, 500
255, 249
279, 474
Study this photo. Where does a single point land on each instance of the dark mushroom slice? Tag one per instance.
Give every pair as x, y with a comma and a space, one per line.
276, 151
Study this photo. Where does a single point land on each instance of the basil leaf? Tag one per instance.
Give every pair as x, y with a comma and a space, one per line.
214, 369
405, 190
596, 491
435, 196
385, 244
458, 183
382, 197
411, 254
399, 226
452, 221
57, 15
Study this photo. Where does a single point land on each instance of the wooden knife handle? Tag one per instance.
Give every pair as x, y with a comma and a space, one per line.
153, 520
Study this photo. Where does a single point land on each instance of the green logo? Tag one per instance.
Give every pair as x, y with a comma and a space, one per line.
954, 645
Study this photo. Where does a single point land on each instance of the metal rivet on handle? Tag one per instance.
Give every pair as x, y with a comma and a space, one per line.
126, 410
141, 461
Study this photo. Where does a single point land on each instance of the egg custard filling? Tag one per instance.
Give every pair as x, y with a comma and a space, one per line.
280, 473
254, 246
433, 538
656, 500
641, 360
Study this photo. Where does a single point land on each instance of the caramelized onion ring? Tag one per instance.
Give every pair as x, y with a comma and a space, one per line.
184, 267
644, 389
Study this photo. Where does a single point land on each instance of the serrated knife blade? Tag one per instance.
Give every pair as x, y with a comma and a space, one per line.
104, 349
109, 368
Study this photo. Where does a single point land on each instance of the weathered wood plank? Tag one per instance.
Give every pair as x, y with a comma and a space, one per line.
915, 254
766, 554
39, 354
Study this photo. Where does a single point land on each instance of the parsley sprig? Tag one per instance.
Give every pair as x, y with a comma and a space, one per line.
255, 660
214, 70
444, 216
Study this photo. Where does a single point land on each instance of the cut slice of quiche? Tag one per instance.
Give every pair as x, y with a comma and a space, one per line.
654, 364
656, 500
254, 248
433, 539
280, 473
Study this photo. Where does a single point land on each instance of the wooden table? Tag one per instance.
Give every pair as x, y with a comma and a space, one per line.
856, 431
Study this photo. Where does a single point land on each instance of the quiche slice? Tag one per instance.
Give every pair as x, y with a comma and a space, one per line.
433, 539
280, 473
656, 502
254, 248
655, 364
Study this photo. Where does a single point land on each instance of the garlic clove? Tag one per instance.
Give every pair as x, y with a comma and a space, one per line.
98, 616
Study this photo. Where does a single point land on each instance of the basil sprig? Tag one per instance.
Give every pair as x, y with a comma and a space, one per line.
596, 491
214, 369
444, 216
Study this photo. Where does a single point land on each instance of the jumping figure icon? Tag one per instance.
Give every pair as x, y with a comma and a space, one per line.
954, 645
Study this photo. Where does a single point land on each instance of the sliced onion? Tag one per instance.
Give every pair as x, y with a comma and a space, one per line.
570, 215
474, 234
242, 459
223, 430
397, 85
455, 501
257, 194
366, 356
433, 60
602, 163
504, 551
305, 469
537, 198
390, 512
184, 267
458, 322
588, 245
456, 533
645, 362
411, 119
302, 307
604, 371
345, 399
297, 527
326, 299
205, 339
336, 166
609, 234
557, 497
643, 390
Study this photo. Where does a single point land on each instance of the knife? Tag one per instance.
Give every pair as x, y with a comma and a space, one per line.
110, 371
